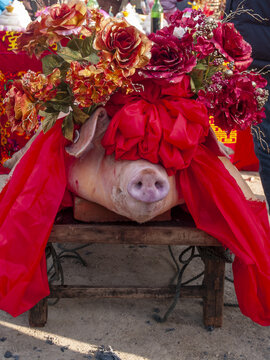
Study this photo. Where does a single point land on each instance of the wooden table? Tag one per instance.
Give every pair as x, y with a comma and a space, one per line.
176, 232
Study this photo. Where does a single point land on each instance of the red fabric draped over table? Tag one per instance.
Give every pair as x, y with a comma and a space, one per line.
12, 66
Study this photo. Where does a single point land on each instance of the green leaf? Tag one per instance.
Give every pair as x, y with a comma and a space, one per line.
49, 121
192, 85
201, 66
68, 126
90, 110
49, 109
92, 58
50, 62
87, 46
79, 115
75, 44
57, 106
211, 71
69, 55
63, 97
197, 78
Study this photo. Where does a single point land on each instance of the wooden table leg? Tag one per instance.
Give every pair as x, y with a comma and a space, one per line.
213, 301
38, 315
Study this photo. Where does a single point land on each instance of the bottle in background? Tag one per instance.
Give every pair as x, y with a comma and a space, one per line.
93, 4
156, 16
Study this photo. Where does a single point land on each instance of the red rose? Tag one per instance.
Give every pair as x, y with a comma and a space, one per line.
203, 47
230, 43
171, 58
235, 102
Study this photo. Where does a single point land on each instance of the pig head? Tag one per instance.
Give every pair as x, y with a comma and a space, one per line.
137, 189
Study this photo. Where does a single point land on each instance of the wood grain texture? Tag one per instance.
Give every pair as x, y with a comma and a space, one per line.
71, 291
131, 234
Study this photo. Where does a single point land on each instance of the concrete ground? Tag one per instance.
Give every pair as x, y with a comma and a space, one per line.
80, 329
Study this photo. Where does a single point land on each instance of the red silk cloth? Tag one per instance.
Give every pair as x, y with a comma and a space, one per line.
28, 206
161, 124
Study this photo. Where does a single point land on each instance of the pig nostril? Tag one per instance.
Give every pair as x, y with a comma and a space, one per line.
138, 185
159, 185
148, 187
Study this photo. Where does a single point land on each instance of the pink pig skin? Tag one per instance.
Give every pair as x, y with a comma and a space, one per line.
137, 189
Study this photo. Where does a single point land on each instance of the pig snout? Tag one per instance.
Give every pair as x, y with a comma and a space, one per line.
148, 186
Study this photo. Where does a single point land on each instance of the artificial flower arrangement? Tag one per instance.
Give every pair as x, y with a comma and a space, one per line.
98, 55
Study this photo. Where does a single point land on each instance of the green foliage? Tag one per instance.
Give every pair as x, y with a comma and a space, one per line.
79, 116
49, 121
53, 61
68, 126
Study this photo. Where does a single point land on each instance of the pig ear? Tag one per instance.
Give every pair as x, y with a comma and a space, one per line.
89, 130
216, 146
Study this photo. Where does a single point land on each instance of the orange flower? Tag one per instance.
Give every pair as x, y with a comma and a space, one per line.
21, 110
92, 84
93, 21
122, 45
27, 96
32, 40
41, 87
63, 20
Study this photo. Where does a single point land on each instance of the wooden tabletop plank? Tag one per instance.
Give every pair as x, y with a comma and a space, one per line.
109, 233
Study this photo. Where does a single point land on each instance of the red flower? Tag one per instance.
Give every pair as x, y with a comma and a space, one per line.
230, 43
235, 102
171, 57
190, 20
176, 18
203, 47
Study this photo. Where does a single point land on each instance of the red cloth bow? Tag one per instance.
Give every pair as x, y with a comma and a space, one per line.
159, 124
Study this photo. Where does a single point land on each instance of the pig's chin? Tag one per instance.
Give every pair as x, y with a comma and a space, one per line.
136, 210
